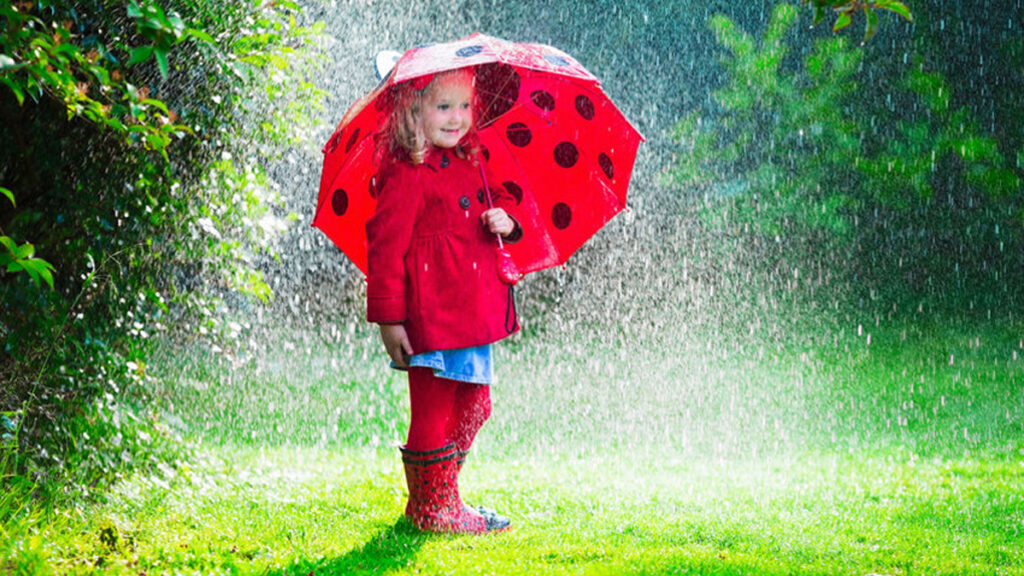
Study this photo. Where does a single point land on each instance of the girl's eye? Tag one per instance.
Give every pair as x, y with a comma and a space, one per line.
442, 106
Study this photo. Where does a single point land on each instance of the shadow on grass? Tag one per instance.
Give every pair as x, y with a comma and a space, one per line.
393, 548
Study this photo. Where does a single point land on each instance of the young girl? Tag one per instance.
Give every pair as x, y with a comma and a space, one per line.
434, 290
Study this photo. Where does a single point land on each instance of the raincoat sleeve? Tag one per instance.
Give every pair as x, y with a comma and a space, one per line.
389, 235
504, 200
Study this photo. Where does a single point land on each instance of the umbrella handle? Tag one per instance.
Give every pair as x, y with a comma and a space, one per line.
508, 272
487, 191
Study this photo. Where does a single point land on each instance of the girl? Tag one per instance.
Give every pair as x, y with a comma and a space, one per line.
434, 290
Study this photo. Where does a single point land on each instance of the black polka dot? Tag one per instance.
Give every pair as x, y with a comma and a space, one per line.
585, 107
515, 190
445, 162
566, 154
486, 153
481, 197
352, 141
543, 99
561, 215
333, 144
556, 60
469, 51
497, 88
339, 202
519, 134
606, 165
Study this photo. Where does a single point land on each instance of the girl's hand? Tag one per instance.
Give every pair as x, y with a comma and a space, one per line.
497, 221
396, 342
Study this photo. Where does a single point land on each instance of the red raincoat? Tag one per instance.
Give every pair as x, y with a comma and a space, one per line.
432, 263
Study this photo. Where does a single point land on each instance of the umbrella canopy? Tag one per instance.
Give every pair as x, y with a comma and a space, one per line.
548, 133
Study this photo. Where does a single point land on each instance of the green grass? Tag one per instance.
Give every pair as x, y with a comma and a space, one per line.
820, 453
297, 511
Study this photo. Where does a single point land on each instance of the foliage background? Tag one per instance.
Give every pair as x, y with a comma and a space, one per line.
883, 162
157, 150
130, 171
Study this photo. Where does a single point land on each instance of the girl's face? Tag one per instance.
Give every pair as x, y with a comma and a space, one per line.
447, 112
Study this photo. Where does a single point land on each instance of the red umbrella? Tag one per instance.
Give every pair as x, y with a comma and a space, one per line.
550, 136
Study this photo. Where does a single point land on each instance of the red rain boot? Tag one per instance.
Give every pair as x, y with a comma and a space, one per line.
492, 517
434, 503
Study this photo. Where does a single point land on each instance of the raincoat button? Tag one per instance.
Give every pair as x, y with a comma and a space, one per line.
445, 161
464, 202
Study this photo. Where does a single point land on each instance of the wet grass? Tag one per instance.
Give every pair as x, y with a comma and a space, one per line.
310, 511
888, 448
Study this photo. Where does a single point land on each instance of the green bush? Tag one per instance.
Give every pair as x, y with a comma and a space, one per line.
135, 136
833, 156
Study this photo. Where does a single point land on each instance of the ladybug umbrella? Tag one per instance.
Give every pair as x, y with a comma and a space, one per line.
548, 133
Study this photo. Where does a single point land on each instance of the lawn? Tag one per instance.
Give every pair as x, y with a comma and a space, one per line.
875, 448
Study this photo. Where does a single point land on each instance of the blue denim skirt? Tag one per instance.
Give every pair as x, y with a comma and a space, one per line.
473, 365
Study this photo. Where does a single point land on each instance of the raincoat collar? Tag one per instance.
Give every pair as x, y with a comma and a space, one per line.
440, 158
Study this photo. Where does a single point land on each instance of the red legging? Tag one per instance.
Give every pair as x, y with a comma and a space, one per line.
445, 411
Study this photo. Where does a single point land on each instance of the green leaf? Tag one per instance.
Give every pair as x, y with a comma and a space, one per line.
871, 26
156, 140
10, 196
140, 54
69, 49
32, 272
161, 60
897, 7
176, 24
38, 268
24, 251
134, 11
19, 94
156, 104
842, 21
819, 14
149, 25
200, 35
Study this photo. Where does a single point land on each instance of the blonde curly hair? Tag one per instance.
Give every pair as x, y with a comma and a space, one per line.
402, 136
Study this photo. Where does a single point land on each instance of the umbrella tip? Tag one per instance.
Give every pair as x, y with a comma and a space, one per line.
384, 62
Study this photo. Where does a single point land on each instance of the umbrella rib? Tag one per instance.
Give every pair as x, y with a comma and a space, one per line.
497, 95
